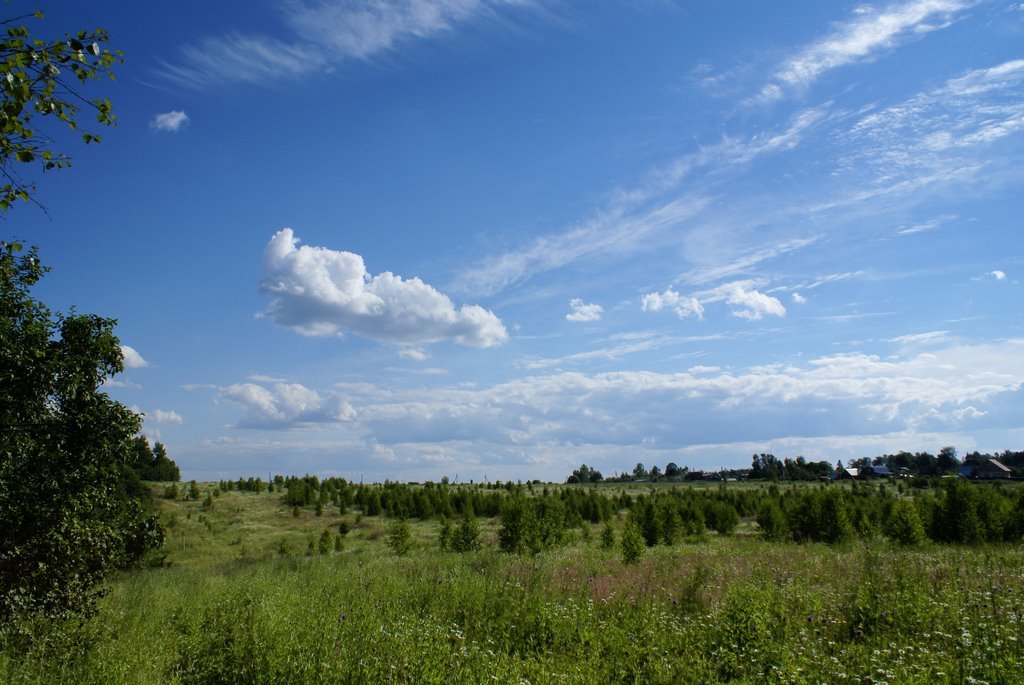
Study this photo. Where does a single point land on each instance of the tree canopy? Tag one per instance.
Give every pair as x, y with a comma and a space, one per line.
39, 86
67, 512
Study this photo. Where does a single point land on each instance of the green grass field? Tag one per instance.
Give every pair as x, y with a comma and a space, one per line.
240, 600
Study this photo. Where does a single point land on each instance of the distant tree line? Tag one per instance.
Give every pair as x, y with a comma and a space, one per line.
766, 466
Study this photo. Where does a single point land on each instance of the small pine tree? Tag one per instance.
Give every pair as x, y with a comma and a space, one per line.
466, 537
282, 548
633, 543
444, 536
324, 544
339, 543
904, 525
608, 536
399, 538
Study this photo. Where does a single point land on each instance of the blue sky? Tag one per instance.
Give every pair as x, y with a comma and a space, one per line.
499, 238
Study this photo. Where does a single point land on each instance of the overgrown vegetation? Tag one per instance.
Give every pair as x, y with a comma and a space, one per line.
255, 594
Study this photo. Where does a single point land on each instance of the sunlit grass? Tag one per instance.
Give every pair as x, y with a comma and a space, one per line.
229, 606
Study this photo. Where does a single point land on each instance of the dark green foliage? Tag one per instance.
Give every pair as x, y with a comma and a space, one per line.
466, 536
633, 543
904, 524
323, 545
399, 538
531, 524
772, 522
585, 474
71, 507
444, 535
608, 536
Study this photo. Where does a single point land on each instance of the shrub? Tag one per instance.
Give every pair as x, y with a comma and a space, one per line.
772, 522
399, 538
466, 537
608, 536
633, 543
904, 525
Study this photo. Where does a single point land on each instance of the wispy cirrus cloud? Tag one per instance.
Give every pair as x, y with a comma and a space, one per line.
861, 38
316, 35
640, 218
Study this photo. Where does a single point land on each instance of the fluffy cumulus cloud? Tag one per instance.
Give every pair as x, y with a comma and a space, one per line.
745, 301
584, 312
743, 298
284, 405
169, 122
682, 306
319, 291
132, 359
167, 418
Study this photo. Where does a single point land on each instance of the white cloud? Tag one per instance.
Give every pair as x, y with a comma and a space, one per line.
928, 338
746, 301
997, 274
924, 226
862, 38
799, 299
284, 405
584, 312
318, 291
682, 306
414, 354
168, 418
132, 359
169, 122
324, 34
849, 394
658, 210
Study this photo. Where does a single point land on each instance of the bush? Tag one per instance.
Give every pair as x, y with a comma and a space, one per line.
904, 525
633, 543
466, 536
399, 538
772, 522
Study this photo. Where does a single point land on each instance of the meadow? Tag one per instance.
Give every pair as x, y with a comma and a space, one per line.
252, 589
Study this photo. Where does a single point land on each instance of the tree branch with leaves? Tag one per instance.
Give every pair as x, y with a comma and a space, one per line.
40, 83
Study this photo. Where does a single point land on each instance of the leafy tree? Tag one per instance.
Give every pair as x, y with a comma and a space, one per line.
67, 509
38, 84
947, 460
585, 474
